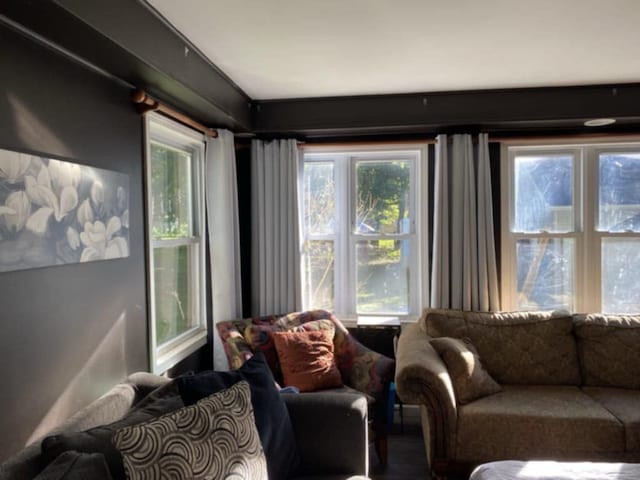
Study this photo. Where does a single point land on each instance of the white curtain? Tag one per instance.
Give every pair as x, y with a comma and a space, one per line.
275, 262
224, 245
464, 274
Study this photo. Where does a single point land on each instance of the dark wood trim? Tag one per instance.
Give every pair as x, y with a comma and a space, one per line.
557, 110
148, 53
143, 51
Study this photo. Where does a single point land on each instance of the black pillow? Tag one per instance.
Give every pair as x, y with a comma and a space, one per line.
73, 465
271, 414
162, 400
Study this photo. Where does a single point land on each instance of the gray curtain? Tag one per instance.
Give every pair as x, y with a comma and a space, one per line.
275, 264
224, 239
464, 274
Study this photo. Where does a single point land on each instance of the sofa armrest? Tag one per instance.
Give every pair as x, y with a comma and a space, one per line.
331, 432
144, 383
422, 378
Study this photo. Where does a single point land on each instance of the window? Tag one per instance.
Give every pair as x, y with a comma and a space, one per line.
361, 225
175, 206
572, 236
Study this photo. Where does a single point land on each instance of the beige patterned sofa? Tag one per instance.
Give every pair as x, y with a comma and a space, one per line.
569, 387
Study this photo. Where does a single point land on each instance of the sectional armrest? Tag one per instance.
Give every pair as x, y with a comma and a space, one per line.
144, 383
422, 379
331, 432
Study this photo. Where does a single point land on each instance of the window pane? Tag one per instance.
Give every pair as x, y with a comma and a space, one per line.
382, 197
382, 276
544, 193
620, 275
319, 275
545, 270
619, 192
170, 192
319, 198
174, 298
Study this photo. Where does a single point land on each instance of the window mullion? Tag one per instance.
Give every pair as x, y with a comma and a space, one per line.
343, 257
591, 254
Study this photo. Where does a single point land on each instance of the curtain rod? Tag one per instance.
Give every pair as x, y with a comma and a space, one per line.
496, 139
362, 143
566, 138
145, 103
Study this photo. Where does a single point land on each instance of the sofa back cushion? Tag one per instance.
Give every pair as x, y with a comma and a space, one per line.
609, 350
530, 348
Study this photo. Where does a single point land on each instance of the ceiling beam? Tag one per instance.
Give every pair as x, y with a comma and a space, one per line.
558, 108
142, 50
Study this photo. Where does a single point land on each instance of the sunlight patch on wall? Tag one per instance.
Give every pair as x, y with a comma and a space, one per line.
107, 361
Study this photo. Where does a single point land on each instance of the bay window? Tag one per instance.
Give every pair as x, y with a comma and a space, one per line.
175, 206
361, 227
571, 228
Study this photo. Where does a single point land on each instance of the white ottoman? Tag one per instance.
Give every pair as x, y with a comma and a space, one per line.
546, 470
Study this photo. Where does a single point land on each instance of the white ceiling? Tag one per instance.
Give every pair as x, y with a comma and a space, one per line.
311, 48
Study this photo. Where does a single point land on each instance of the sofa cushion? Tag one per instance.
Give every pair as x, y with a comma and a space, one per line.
469, 378
98, 439
271, 415
624, 404
215, 438
609, 350
531, 348
72, 465
307, 360
533, 422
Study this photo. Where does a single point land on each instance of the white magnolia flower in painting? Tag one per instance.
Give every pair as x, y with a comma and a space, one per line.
100, 243
121, 198
73, 238
125, 218
41, 193
63, 174
97, 193
84, 213
13, 165
17, 209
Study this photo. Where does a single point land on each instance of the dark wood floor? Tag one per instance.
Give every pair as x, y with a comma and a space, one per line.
407, 460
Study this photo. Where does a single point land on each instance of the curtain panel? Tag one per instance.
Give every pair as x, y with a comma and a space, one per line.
275, 227
464, 274
221, 195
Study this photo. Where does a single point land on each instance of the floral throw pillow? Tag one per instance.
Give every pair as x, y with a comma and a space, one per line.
215, 438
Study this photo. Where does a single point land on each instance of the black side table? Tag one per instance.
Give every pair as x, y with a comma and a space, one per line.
380, 334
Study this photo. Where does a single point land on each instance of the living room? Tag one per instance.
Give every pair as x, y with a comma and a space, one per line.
69, 69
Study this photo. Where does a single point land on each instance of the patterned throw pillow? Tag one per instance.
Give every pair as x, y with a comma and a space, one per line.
214, 439
272, 417
307, 359
469, 378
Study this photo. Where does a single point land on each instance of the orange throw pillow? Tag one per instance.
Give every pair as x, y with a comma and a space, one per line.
307, 359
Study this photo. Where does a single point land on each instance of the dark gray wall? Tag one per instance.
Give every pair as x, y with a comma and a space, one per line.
68, 333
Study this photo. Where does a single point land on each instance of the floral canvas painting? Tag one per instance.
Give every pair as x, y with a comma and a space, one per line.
55, 212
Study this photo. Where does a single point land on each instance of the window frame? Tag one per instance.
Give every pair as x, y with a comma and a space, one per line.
345, 160
588, 239
168, 132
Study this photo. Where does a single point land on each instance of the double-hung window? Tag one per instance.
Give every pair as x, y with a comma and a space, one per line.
175, 206
361, 227
571, 228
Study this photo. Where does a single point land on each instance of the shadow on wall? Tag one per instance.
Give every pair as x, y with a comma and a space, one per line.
33, 132
107, 361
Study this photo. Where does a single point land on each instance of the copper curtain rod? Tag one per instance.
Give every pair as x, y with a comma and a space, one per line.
145, 103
